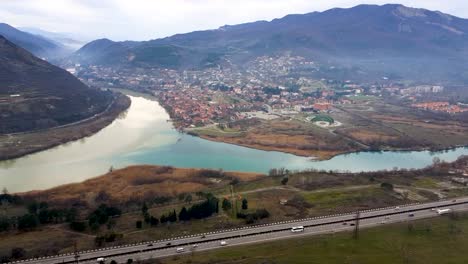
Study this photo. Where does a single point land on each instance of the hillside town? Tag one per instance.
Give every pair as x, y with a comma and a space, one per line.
279, 85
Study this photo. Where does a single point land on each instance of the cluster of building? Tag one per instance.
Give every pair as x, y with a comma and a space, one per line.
276, 85
441, 107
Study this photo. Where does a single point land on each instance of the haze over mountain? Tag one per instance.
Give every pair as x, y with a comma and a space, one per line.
37, 95
68, 40
36, 44
386, 40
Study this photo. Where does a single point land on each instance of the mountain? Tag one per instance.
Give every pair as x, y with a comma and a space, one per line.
38, 45
35, 94
387, 39
68, 40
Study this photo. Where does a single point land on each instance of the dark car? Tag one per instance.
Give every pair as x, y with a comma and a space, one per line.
411, 215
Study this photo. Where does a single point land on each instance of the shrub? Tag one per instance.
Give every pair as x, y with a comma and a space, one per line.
139, 224
27, 221
386, 186
78, 226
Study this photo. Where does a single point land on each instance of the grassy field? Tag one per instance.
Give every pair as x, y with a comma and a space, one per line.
439, 240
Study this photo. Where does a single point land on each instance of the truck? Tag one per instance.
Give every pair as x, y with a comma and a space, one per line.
444, 211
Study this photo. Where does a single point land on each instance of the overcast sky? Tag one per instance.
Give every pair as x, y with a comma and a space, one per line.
149, 19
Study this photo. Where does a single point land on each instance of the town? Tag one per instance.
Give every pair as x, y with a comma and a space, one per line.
276, 86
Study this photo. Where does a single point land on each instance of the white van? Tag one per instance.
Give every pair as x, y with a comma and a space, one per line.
296, 229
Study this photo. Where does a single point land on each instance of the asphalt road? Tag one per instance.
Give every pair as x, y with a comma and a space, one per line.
256, 234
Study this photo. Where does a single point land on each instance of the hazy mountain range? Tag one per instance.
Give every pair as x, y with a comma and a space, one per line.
68, 40
386, 40
35, 94
38, 45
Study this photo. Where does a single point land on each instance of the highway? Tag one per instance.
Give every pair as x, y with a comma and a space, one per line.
256, 234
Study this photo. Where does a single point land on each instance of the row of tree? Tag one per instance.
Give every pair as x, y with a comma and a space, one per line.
38, 214
197, 211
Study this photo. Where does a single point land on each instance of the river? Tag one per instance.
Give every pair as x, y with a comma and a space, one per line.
142, 135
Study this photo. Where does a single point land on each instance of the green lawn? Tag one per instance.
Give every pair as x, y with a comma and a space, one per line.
439, 240
339, 198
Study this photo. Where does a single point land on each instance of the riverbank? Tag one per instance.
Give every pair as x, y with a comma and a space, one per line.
165, 189
21, 144
315, 154
318, 155
301, 139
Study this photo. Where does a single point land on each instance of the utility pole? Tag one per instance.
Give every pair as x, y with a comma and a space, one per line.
233, 201
76, 253
356, 227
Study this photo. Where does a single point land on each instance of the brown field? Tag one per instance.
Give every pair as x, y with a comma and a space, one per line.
369, 136
136, 183
290, 136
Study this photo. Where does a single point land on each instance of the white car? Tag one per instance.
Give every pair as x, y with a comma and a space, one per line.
180, 250
223, 243
100, 260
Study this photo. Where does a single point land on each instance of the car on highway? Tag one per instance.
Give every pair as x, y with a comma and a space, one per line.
344, 223
180, 250
411, 215
149, 245
194, 246
296, 229
352, 224
223, 243
444, 211
168, 244
397, 208
100, 260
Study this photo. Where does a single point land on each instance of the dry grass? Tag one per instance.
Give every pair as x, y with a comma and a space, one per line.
137, 183
288, 136
370, 136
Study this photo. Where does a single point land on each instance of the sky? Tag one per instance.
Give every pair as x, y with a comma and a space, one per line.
150, 19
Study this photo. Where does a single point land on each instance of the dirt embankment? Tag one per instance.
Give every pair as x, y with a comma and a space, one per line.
17, 145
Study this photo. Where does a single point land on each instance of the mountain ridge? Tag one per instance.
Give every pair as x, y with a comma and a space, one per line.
38, 95
38, 45
389, 34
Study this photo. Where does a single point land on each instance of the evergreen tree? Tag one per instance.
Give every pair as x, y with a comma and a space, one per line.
173, 216
184, 215
226, 204
144, 209
245, 204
